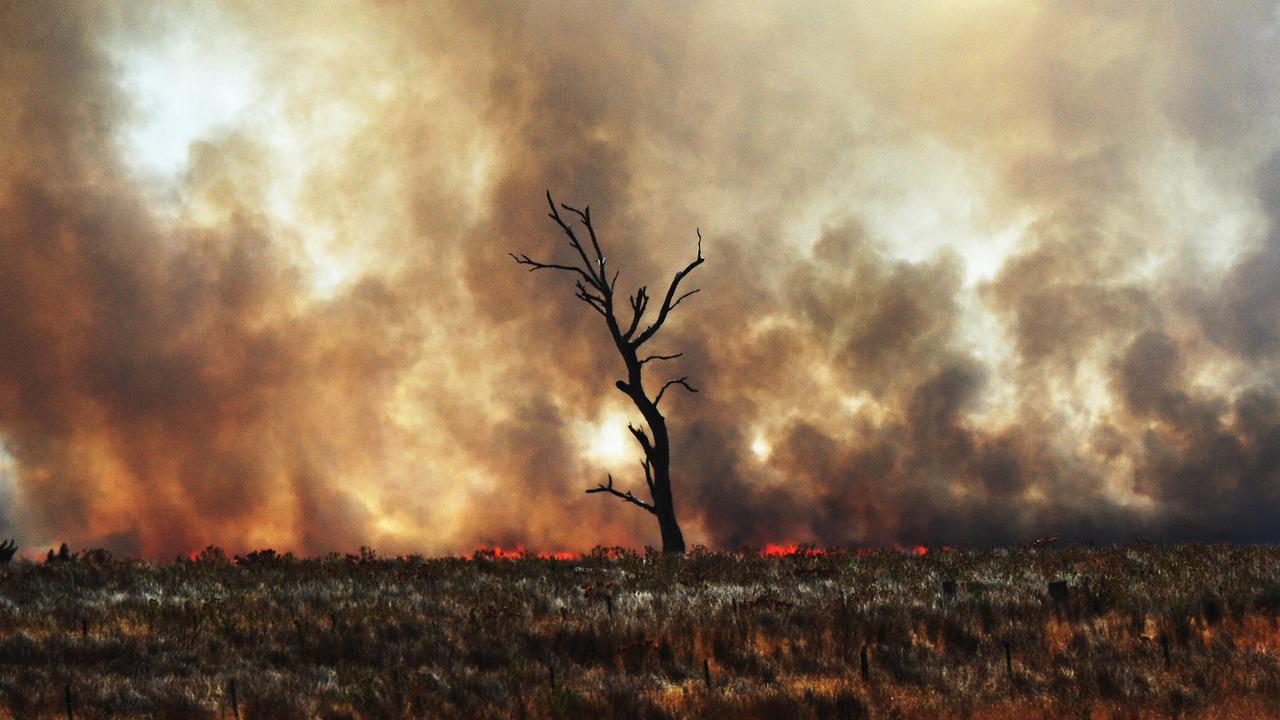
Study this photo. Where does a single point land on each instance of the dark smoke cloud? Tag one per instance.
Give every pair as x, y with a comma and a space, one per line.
945, 299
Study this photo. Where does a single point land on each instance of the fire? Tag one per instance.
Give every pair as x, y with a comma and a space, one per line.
783, 550
919, 550
770, 549
519, 551
560, 555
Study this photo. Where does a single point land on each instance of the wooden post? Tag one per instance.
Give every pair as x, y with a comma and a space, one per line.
1059, 591
866, 666
84, 629
66, 695
235, 704
706, 672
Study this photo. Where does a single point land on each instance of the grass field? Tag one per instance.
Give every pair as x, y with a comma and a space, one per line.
1137, 632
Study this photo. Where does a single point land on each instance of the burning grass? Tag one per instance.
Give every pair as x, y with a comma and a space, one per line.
780, 632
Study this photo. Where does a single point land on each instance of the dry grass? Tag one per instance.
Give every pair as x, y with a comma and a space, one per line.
782, 637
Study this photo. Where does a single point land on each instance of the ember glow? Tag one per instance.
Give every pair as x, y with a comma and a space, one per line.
975, 274
788, 549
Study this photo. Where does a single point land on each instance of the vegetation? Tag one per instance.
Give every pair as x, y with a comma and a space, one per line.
1135, 632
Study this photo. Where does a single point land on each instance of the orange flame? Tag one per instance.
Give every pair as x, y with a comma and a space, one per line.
770, 549
788, 549
560, 555
519, 551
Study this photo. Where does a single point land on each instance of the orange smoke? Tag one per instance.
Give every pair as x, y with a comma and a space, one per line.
971, 276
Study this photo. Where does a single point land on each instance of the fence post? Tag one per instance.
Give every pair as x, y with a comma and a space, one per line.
235, 704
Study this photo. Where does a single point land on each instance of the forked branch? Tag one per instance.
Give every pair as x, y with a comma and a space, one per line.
627, 496
597, 276
641, 438
670, 301
639, 302
678, 381
591, 272
535, 265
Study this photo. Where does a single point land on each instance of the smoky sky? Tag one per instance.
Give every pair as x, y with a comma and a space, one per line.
973, 274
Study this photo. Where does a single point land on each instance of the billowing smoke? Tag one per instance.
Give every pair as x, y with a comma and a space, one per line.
972, 276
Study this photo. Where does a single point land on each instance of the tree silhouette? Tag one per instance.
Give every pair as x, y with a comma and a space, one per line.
596, 289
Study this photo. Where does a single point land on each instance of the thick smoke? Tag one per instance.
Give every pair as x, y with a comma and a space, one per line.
971, 278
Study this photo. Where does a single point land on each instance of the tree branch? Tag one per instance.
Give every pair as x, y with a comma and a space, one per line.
648, 474
661, 357
585, 216
596, 280
535, 265
627, 496
682, 297
669, 383
639, 302
667, 303
595, 301
641, 438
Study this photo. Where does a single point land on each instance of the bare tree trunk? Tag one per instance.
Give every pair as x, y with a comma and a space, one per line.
664, 508
596, 289
657, 464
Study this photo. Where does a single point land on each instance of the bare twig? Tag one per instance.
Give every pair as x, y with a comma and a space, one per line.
694, 291
627, 496
597, 280
585, 216
661, 357
639, 302
597, 303
667, 302
678, 381
641, 438
536, 265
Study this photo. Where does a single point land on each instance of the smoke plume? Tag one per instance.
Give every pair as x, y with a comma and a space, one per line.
973, 275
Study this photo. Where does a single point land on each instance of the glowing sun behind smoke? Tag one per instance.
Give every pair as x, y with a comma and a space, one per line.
606, 442
202, 82
185, 85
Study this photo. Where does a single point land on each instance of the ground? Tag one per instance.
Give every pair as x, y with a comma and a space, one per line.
1136, 632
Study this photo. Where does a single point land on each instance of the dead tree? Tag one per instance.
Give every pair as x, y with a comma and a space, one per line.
596, 288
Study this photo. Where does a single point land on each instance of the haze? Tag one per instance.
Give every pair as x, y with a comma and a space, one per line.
974, 273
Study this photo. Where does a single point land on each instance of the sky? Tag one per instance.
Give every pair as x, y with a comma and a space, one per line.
975, 272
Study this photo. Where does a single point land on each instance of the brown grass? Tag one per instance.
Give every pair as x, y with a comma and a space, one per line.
362, 636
